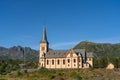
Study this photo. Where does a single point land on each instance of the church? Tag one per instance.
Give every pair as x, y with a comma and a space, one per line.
63, 59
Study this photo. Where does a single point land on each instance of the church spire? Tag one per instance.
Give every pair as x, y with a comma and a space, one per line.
44, 37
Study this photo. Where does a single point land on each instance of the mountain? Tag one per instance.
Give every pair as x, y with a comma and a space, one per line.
17, 52
100, 49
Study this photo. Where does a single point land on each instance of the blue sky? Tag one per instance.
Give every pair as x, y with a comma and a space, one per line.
67, 21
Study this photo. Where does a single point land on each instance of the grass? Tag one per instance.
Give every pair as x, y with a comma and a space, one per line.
72, 74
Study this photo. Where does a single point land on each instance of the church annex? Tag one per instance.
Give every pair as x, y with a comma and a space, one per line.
63, 59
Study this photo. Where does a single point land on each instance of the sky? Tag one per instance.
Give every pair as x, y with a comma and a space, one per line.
68, 22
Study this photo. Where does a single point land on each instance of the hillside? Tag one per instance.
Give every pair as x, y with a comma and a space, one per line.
17, 52
100, 49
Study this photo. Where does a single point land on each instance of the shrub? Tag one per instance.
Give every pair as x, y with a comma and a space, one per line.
52, 76
43, 70
25, 71
77, 77
18, 73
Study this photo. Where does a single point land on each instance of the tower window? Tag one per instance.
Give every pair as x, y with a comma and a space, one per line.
79, 60
52, 62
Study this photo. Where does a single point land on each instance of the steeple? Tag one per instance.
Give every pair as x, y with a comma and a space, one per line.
44, 37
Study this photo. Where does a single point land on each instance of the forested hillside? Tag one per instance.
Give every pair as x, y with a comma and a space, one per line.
104, 53
100, 49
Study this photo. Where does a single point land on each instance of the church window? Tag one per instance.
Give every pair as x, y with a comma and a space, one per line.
68, 60
47, 62
68, 65
89, 59
74, 60
63, 61
58, 61
74, 65
52, 62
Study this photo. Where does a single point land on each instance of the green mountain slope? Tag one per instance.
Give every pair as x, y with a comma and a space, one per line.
100, 49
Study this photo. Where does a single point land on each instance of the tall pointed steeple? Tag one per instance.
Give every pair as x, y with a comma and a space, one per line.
44, 36
44, 46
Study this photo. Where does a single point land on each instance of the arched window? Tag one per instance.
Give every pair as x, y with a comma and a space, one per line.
47, 62
68, 65
63, 61
58, 61
68, 60
74, 60
52, 62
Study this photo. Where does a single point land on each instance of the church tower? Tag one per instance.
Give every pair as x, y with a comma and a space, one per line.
43, 44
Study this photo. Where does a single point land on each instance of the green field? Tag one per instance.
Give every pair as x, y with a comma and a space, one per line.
72, 74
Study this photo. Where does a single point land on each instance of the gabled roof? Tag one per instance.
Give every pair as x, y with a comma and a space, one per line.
82, 52
56, 54
64, 53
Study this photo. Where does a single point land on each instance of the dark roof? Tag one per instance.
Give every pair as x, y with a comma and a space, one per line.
63, 53
44, 37
82, 52
56, 54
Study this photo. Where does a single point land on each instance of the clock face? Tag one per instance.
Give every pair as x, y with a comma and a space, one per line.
43, 48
